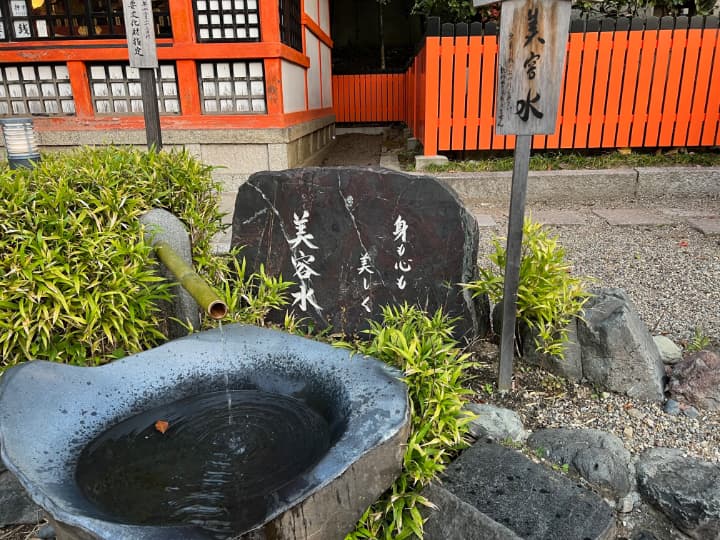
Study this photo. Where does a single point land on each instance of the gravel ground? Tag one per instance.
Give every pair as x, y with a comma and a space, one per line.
671, 272
545, 401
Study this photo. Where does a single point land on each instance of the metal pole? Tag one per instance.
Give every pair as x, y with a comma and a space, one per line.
513, 257
150, 108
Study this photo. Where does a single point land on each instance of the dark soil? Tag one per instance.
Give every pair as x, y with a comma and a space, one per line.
354, 149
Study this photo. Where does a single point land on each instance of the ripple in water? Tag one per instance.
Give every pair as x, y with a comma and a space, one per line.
203, 470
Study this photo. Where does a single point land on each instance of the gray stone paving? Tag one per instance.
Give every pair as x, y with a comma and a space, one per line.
709, 226
633, 216
485, 220
559, 217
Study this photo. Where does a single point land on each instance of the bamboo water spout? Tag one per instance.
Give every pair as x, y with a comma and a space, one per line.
189, 280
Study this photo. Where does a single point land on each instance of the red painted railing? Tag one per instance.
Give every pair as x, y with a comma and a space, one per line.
628, 83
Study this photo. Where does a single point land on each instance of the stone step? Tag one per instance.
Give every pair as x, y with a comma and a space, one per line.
493, 492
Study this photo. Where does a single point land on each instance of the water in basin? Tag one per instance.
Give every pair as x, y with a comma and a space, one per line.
221, 460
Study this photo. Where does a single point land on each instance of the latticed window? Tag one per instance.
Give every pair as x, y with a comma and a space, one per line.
115, 89
72, 19
232, 87
227, 20
36, 89
290, 24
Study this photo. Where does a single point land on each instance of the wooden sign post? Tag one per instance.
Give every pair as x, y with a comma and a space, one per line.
533, 41
142, 51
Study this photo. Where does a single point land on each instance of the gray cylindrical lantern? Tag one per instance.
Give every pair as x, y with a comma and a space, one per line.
20, 142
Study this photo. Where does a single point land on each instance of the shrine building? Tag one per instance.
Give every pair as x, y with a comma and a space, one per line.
242, 84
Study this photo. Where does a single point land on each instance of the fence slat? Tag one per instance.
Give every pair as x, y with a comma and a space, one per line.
629, 84
356, 93
337, 95
380, 97
659, 81
700, 97
602, 72
486, 139
672, 87
473, 92
447, 55
587, 80
615, 85
552, 141
712, 110
689, 83
432, 95
642, 96
459, 111
572, 87
401, 93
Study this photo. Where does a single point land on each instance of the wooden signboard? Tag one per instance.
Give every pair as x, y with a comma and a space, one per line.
140, 32
533, 40
142, 52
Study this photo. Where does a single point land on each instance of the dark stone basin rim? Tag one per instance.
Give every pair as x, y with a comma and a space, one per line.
40, 443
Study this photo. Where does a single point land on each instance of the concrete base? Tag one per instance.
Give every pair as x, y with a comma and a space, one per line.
237, 153
422, 162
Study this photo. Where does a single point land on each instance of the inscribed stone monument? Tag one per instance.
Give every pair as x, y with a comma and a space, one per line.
355, 239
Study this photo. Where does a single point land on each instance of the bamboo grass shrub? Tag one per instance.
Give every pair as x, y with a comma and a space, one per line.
77, 283
549, 296
423, 349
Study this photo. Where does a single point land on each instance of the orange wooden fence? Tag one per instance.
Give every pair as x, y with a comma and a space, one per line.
372, 97
628, 83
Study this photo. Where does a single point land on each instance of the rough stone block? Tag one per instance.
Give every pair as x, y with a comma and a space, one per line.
454, 518
669, 352
618, 352
597, 456
412, 144
357, 239
497, 423
569, 366
685, 489
15, 506
527, 498
696, 380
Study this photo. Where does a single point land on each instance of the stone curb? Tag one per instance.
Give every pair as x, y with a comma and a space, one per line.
585, 185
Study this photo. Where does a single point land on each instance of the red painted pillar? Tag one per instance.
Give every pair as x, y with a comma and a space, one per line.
183, 28
80, 89
270, 33
269, 21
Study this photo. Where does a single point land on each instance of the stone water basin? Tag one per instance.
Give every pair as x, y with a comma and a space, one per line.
236, 433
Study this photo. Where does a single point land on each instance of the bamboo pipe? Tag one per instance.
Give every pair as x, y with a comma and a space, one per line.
189, 280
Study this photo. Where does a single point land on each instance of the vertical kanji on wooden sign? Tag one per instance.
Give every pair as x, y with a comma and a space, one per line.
533, 40
140, 32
